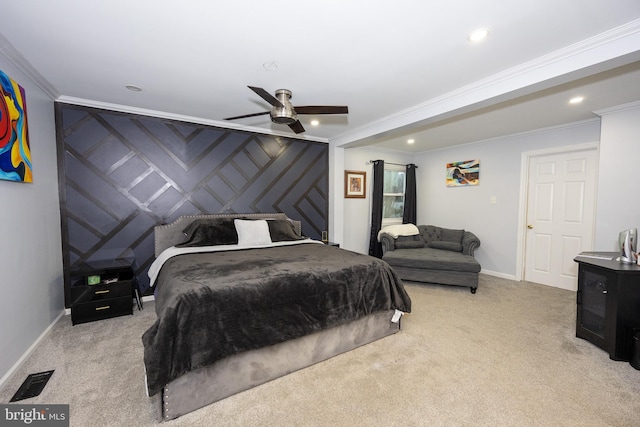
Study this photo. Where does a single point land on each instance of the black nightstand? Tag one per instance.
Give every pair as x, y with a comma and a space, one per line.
103, 289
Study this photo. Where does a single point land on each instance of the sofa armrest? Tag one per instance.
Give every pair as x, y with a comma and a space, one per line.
388, 243
470, 242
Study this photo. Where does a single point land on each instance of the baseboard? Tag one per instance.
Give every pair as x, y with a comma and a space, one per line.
497, 274
30, 350
66, 311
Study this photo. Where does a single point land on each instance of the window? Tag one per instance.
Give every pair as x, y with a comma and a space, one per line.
393, 194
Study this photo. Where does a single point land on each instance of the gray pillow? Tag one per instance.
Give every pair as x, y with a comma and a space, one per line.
282, 230
447, 246
449, 235
210, 232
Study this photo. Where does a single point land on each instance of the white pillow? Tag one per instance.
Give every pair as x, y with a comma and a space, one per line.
251, 233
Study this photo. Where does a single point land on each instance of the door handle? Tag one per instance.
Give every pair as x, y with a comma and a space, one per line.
530, 227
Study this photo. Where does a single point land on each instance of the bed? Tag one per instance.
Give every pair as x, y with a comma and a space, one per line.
244, 299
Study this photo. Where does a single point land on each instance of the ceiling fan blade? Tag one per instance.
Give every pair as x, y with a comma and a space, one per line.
297, 127
247, 115
267, 96
322, 109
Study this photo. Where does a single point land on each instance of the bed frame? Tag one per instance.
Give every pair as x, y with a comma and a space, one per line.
243, 371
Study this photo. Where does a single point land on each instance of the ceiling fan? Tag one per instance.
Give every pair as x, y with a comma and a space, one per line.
285, 113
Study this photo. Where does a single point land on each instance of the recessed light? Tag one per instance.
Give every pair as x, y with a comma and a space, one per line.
314, 123
133, 88
576, 100
410, 141
478, 35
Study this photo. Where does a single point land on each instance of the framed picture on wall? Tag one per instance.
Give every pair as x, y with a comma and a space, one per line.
460, 174
355, 184
15, 152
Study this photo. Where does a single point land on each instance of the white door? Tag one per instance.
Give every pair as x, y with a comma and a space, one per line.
560, 216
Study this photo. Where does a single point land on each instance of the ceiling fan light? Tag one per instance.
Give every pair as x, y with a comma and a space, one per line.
282, 112
282, 117
285, 114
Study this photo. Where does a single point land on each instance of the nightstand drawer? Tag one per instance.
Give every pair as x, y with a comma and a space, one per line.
101, 309
87, 293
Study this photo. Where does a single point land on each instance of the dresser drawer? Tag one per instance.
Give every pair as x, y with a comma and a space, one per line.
87, 293
101, 309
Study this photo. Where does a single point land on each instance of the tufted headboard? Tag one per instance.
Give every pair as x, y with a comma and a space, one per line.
172, 234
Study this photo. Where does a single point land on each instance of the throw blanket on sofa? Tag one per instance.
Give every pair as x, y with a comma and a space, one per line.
214, 305
399, 230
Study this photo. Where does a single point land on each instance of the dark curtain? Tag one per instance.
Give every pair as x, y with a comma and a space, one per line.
409, 214
375, 248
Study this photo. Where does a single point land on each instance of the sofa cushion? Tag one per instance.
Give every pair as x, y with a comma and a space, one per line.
432, 259
405, 242
447, 246
409, 244
448, 235
429, 232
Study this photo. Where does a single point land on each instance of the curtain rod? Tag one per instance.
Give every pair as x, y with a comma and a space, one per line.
396, 164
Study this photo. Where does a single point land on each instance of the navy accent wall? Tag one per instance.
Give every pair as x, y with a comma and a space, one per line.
122, 174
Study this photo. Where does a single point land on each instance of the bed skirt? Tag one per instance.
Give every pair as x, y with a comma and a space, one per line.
243, 371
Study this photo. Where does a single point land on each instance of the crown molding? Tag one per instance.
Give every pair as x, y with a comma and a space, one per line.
511, 83
618, 108
511, 136
14, 57
181, 118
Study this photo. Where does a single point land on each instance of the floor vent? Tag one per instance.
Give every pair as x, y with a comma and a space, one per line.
32, 386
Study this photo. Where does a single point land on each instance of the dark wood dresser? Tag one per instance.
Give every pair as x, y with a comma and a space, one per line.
608, 302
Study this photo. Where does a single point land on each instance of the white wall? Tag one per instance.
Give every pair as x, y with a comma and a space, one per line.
464, 207
500, 170
31, 281
618, 202
617, 206
357, 212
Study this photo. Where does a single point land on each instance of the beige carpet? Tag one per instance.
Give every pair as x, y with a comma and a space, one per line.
507, 356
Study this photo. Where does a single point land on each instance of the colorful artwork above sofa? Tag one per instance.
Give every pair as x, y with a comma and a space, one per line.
15, 154
463, 173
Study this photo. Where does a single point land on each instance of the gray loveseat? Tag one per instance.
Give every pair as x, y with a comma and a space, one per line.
436, 255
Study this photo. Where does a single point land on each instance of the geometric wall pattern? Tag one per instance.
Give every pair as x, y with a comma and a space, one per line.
122, 174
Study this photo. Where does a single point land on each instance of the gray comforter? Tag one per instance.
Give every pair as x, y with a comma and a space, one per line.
214, 305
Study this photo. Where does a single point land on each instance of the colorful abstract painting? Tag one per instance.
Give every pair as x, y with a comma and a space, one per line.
463, 173
15, 154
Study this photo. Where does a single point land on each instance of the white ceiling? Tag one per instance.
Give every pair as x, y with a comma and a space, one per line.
405, 69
